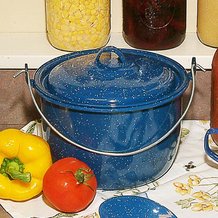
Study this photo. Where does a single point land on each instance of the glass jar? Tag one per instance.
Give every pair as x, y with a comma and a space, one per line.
214, 96
74, 25
207, 22
154, 24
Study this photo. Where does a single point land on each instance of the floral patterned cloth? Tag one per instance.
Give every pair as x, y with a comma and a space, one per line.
188, 189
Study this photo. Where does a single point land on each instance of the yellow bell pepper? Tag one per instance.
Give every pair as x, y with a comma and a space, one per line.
24, 159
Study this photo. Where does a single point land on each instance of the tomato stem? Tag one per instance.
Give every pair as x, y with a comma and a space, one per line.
82, 175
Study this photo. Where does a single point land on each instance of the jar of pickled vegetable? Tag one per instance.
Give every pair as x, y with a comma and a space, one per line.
214, 96
207, 22
74, 25
154, 24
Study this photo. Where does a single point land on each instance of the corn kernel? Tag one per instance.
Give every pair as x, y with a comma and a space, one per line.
78, 24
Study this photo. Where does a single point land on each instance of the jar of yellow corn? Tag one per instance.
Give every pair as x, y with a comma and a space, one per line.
74, 25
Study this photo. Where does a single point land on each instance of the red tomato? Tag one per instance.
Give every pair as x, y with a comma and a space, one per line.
69, 185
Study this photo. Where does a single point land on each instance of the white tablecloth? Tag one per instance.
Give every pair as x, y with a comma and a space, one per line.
188, 189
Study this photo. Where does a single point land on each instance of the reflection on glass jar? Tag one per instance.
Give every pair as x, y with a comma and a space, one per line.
74, 25
156, 15
154, 24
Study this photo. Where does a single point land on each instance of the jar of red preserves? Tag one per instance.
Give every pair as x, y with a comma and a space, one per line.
154, 24
214, 96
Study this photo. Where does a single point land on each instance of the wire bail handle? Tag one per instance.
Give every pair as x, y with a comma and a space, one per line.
30, 83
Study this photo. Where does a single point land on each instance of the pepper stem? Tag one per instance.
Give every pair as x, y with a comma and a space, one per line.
14, 169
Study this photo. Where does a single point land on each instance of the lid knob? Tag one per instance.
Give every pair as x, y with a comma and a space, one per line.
112, 68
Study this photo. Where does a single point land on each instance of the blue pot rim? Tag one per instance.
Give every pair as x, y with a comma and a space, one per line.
41, 75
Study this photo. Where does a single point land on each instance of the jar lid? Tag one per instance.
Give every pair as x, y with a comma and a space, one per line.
114, 79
